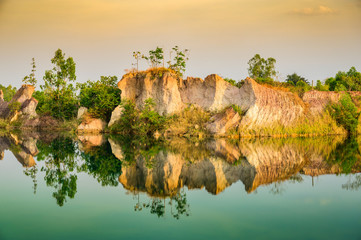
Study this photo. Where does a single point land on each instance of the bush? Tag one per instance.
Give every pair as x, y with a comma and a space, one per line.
345, 113
137, 122
14, 106
60, 104
234, 82
100, 97
8, 92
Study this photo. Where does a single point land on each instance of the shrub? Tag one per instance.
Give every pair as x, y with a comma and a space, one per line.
137, 122
14, 106
100, 97
8, 92
345, 113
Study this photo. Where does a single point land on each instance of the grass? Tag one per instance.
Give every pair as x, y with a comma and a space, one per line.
189, 123
318, 126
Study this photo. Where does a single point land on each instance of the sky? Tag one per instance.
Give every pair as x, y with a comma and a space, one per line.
314, 38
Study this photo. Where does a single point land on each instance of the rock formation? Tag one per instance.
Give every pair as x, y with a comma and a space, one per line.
91, 125
27, 104
261, 105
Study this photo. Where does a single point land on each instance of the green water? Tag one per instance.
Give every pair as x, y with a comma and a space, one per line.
271, 189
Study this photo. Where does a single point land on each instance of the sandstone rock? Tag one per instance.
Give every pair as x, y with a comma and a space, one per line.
92, 125
222, 122
116, 114
163, 90
27, 104
89, 141
1, 95
81, 112
44, 122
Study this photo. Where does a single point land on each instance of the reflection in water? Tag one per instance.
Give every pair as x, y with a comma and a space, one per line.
163, 169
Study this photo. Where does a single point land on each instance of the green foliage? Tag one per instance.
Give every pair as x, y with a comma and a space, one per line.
294, 80
8, 92
345, 81
346, 155
14, 106
102, 165
100, 97
30, 79
137, 122
345, 113
155, 57
238, 109
180, 59
234, 82
60, 165
321, 87
261, 69
58, 99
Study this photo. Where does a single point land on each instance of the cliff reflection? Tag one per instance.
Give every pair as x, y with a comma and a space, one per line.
162, 170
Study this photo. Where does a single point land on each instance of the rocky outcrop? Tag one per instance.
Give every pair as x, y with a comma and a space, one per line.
220, 123
23, 98
43, 122
81, 112
163, 90
116, 114
262, 106
91, 125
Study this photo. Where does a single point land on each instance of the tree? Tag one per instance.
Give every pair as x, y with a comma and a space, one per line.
155, 57
293, 79
345, 81
261, 69
59, 94
100, 97
180, 59
30, 79
345, 113
137, 55
8, 92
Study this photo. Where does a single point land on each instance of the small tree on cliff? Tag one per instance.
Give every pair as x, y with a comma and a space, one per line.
30, 79
155, 57
262, 70
180, 59
137, 55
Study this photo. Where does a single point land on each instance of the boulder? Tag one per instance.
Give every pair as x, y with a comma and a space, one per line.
44, 122
81, 112
116, 114
92, 125
1, 95
223, 121
27, 104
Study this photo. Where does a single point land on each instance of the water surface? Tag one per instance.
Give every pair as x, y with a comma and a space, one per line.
108, 187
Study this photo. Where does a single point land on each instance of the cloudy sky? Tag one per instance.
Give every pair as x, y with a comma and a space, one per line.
314, 38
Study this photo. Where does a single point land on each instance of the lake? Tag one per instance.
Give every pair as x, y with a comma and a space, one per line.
113, 187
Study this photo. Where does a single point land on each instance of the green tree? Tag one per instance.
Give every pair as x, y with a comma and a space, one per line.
59, 98
262, 70
30, 79
345, 81
321, 87
345, 113
294, 78
180, 59
155, 57
100, 97
8, 92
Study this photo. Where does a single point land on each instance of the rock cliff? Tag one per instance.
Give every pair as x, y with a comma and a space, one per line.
262, 106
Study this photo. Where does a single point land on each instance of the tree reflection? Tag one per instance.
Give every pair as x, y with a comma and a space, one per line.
60, 165
178, 205
102, 165
347, 156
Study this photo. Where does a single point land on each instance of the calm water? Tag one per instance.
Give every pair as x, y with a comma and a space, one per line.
101, 187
